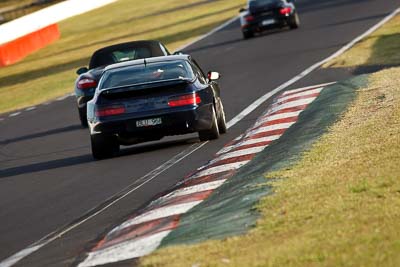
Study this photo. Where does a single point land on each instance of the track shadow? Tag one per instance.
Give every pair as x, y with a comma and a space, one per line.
312, 5
83, 159
214, 45
41, 134
266, 33
159, 145
343, 22
37, 73
170, 10
47, 165
372, 68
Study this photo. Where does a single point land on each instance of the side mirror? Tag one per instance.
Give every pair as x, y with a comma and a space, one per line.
213, 75
242, 10
82, 70
179, 53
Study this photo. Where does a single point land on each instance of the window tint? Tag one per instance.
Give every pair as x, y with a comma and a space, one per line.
151, 72
257, 3
116, 56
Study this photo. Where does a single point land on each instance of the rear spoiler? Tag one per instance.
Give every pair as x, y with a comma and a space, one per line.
140, 86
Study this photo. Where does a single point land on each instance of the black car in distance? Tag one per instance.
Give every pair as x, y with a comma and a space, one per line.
145, 100
260, 15
88, 78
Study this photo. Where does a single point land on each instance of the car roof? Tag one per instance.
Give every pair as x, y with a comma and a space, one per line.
147, 60
141, 43
156, 48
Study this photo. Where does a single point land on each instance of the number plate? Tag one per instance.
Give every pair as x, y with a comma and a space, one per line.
268, 22
148, 122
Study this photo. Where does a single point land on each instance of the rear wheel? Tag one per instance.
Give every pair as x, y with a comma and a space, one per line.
83, 117
248, 34
294, 21
213, 132
104, 146
221, 119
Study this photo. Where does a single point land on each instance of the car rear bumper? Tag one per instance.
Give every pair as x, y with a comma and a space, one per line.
172, 123
262, 24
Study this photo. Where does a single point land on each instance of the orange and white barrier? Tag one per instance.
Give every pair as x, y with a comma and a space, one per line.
17, 49
29, 33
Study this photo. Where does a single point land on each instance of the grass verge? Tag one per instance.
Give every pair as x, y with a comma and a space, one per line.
340, 204
50, 72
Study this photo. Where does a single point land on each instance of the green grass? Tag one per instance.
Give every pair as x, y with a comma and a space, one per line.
340, 204
50, 72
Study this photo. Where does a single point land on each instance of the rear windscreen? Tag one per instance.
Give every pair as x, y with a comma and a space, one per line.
110, 57
259, 3
149, 73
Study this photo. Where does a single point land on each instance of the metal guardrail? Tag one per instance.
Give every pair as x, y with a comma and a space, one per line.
13, 12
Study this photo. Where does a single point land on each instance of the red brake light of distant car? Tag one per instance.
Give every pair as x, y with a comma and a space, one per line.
249, 18
110, 111
184, 100
285, 11
86, 83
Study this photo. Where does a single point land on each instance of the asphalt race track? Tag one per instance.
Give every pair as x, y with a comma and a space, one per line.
48, 179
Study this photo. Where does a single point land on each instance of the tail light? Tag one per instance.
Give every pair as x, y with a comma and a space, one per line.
285, 11
249, 18
86, 83
184, 100
110, 111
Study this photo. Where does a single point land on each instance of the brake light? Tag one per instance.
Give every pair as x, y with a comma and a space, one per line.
285, 11
249, 18
110, 111
184, 100
86, 83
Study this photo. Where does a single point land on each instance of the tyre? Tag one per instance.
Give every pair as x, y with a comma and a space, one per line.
104, 146
221, 119
248, 34
83, 117
213, 132
294, 21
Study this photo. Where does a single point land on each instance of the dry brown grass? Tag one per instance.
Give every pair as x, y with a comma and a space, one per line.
338, 206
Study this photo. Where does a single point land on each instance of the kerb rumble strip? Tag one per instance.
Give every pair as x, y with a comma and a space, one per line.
143, 232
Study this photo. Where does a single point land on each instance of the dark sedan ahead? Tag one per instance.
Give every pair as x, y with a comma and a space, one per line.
145, 100
86, 83
261, 15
